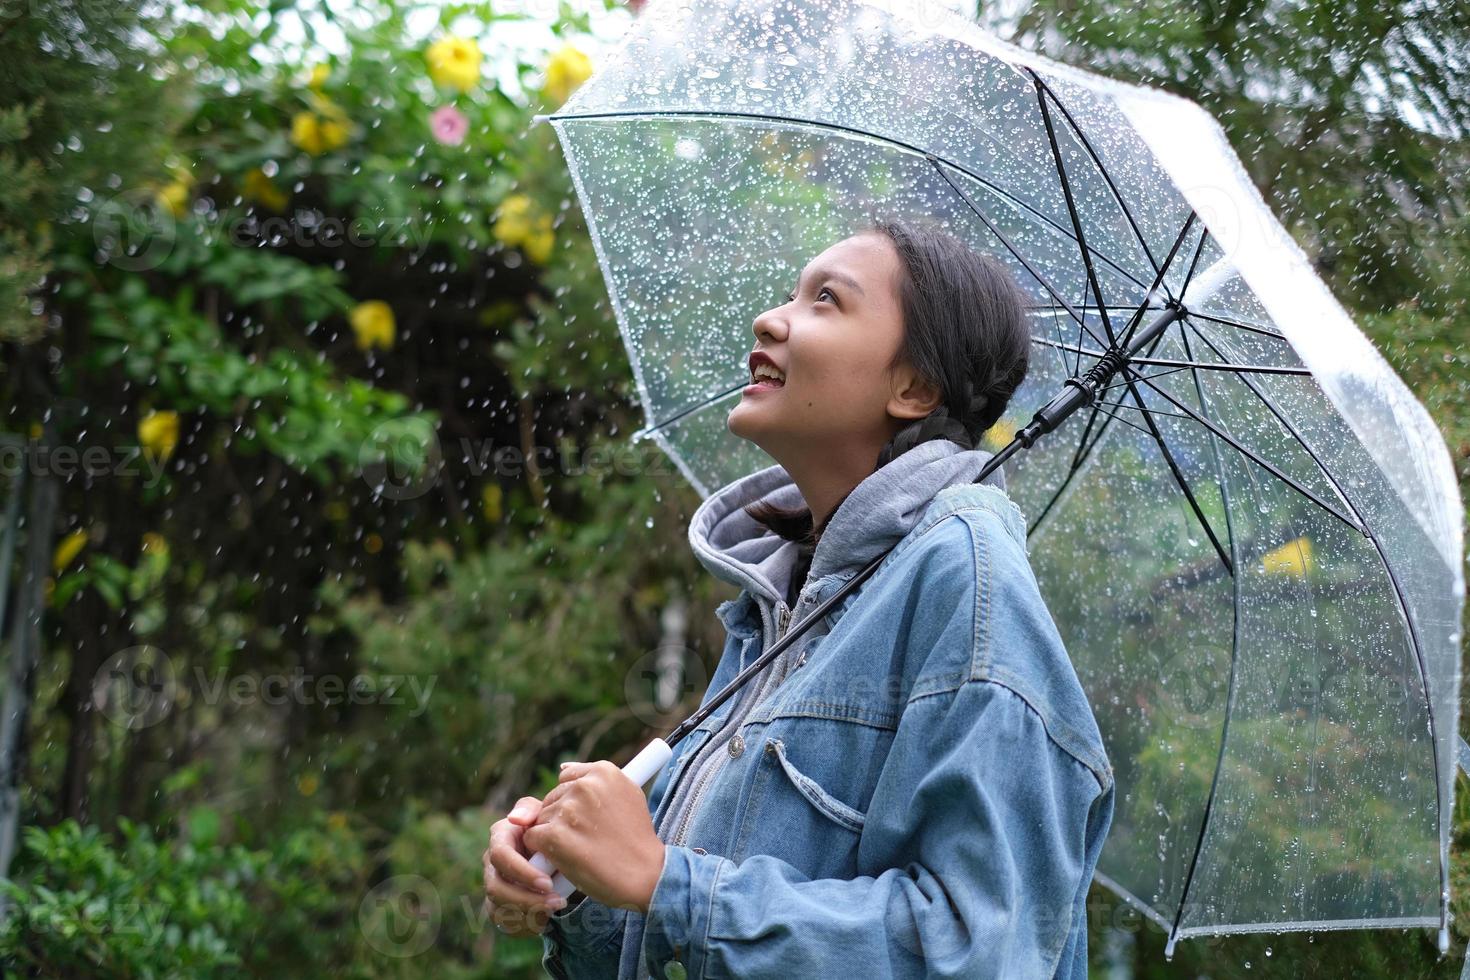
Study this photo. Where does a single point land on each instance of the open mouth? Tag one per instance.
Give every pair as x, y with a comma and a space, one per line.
765, 377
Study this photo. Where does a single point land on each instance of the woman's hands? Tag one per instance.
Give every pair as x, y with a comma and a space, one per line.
520, 897
594, 826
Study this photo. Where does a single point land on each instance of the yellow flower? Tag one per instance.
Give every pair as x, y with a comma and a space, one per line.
261, 189
67, 549
1000, 434
308, 784
373, 543
518, 226
335, 511
566, 69
322, 129
336, 820
159, 433
155, 544
512, 224
1293, 558
176, 195
319, 76
455, 62
36, 430
491, 499
537, 245
373, 324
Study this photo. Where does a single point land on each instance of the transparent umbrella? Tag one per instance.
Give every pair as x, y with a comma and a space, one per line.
1246, 528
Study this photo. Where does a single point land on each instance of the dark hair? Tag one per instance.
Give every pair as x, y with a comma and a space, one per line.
965, 331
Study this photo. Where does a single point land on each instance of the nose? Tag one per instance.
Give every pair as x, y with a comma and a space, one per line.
769, 327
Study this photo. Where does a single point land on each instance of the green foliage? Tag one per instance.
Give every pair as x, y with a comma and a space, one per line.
82, 908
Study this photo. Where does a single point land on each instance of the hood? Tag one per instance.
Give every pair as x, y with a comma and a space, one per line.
876, 515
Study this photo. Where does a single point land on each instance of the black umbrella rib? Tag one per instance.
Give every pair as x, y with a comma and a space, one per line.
1056, 152
1271, 407
1103, 410
1129, 330
1145, 411
839, 127
1253, 328
1184, 291
1167, 362
1204, 825
1076, 367
1248, 454
1199, 249
1102, 171
1005, 240
693, 408
1084, 449
1115, 308
1177, 472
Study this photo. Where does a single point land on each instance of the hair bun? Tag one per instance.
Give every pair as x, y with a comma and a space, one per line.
975, 401
938, 424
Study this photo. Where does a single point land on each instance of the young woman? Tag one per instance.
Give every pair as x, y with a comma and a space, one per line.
916, 788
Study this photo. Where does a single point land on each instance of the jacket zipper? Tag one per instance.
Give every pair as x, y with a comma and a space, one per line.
682, 833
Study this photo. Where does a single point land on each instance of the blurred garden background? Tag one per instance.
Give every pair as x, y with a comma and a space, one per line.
323, 538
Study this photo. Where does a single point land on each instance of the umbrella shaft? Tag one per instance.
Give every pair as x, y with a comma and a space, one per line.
1082, 391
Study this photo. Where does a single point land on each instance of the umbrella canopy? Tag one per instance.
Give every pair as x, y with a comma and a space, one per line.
1247, 530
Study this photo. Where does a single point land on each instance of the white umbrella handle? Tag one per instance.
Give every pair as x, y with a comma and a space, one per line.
644, 766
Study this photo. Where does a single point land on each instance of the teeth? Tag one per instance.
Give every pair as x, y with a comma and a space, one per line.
766, 371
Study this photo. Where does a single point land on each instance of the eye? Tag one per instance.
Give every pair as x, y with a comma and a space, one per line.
792, 296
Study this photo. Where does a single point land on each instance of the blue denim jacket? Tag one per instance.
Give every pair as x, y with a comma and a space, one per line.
925, 796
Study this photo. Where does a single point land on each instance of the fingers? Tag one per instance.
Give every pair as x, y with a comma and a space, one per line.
507, 856
519, 898
571, 770
503, 892
517, 922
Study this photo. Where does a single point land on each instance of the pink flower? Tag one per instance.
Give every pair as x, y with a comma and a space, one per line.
636, 6
449, 125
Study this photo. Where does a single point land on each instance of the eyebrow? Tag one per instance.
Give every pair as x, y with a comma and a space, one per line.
841, 277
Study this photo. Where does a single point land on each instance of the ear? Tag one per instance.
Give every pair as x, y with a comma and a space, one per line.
911, 397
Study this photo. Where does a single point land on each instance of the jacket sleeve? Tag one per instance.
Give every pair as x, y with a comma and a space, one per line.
981, 820
583, 941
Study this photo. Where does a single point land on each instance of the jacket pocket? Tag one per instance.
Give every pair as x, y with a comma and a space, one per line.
827, 804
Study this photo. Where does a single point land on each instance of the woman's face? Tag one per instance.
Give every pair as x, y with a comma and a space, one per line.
833, 339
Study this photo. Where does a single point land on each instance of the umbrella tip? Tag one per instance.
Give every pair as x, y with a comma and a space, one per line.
539, 117
1169, 949
1444, 940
